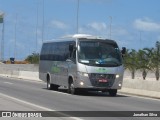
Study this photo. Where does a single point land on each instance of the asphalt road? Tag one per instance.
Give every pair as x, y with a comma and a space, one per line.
38, 96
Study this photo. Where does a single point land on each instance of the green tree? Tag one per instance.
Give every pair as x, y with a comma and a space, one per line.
33, 59
143, 62
131, 61
156, 60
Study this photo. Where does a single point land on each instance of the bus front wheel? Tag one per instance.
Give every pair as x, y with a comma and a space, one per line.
112, 92
71, 88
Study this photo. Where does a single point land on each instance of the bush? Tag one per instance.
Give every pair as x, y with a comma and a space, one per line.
33, 59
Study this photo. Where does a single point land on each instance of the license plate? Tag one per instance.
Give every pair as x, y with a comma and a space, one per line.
103, 80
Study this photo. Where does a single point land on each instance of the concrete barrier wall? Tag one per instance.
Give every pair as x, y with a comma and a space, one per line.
149, 87
19, 67
24, 71
29, 75
138, 75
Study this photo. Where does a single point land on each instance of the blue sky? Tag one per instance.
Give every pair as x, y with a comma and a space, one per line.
129, 19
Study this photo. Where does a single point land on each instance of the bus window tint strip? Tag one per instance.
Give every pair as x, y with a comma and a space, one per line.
55, 51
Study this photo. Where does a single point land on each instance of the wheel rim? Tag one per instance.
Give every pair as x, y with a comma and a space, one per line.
48, 84
72, 88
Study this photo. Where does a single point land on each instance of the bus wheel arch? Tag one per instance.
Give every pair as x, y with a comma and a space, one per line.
71, 87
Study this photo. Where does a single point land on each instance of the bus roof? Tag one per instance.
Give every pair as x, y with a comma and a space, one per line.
76, 36
82, 36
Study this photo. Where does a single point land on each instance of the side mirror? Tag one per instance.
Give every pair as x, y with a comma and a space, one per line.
123, 50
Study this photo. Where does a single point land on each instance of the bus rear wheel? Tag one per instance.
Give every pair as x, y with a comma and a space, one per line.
51, 86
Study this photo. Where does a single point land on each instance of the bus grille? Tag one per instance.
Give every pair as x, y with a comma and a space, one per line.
95, 79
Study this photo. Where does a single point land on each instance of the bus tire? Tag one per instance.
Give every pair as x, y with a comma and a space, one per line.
51, 86
71, 89
113, 92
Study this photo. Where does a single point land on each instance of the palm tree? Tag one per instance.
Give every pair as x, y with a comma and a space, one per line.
155, 64
154, 56
130, 61
143, 62
157, 52
156, 60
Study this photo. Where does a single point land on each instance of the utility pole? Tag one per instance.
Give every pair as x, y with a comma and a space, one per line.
2, 49
140, 39
15, 38
110, 34
43, 24
37, 30
2, 40
77, 16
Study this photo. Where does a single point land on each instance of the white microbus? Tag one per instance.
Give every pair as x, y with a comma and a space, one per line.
82, 63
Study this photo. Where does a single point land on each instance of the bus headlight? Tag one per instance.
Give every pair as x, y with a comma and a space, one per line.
120, 85
117, 76
83, 74
81, 83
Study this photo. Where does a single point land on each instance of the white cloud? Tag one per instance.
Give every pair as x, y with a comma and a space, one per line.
94, 28
146, 25
59, 24
97, 26
103, 30
118, 31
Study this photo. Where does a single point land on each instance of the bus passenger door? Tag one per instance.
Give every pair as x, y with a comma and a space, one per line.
72, 69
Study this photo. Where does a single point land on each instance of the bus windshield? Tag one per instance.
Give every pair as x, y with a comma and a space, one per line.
102, 53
